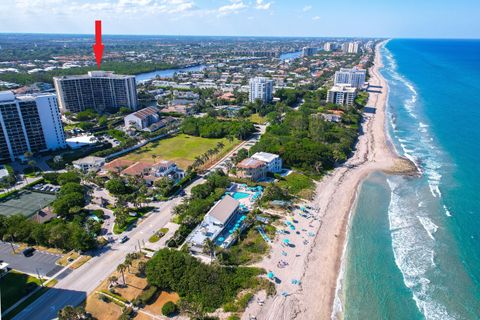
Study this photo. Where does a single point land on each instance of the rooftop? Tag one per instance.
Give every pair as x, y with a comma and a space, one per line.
146, 112
343, 88
223, 209
250, 163
265, 156
89, 159
95, 74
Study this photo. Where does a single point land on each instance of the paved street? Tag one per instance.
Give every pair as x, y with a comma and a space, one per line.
74, 288
44, 262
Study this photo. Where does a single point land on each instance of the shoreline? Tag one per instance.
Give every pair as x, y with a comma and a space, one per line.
319, 264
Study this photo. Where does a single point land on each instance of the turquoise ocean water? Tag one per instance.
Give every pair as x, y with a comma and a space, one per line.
414, 244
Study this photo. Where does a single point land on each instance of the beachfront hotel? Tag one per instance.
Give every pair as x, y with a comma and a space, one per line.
29, 123
261, 88
342, 95
102, 91
353, 77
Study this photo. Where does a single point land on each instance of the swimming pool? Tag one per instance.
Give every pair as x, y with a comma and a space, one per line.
240, 195
235, 224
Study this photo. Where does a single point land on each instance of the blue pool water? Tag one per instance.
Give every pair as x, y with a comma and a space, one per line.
240, 195
235, 224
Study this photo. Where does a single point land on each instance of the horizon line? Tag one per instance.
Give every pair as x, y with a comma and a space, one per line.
238, 36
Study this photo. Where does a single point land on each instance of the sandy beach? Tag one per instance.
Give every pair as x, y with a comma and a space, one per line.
307, 270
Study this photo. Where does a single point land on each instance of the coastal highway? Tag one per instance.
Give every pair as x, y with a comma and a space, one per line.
76, 286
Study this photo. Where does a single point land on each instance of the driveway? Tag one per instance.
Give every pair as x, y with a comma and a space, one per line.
44, 262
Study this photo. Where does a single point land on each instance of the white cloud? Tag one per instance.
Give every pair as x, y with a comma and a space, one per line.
307, 8
233, 8
316, 18
112, 6
262, 5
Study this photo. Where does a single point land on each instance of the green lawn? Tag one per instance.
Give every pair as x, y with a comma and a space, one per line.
182, 149
298, 184
16, 285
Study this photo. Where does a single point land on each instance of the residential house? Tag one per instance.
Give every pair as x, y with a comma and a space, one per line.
252, 169
273, 161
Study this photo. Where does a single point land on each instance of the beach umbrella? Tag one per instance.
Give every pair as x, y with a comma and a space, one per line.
270, 275
286, 241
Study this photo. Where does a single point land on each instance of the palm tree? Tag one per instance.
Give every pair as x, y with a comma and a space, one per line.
121, 268
128, 262
209, 248
220, 145
112, 280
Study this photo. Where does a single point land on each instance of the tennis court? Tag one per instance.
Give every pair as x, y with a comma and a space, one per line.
25, 203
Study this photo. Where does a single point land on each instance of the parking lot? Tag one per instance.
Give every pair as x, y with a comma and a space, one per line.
44, 262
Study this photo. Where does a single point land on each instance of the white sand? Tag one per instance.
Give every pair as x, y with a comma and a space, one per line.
317, 263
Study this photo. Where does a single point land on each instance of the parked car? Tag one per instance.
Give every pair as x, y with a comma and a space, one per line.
124, 239
28, 252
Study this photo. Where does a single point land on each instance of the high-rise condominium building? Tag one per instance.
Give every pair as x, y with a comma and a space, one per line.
102, 91
342, 94
261, 88
308, 51
327, 46
354, 77
29, 123
350, 47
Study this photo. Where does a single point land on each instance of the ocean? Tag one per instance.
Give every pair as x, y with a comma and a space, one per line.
413, 249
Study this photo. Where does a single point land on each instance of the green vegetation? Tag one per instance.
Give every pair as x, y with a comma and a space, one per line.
14, 286
250, 248
203, 288
169, 308
258, 119
124, 219
56, 233
158, 235
298, 184
307, 142
71, 197
209, 127
146, 297
191, 212
181, 149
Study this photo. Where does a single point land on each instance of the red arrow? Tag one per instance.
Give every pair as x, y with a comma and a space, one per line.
98, 46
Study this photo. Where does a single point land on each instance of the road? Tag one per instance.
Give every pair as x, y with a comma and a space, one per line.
76, 286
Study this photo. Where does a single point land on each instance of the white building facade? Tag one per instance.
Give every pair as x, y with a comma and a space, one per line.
261, 88
342, 95
273, 161
353, 77
29, 123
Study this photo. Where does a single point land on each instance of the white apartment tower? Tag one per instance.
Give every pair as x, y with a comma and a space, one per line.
102, 91
29, 123
327, 46
350, 47
261, 88
342, 95
353, 77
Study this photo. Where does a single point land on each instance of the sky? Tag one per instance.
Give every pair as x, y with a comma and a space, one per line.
317, 18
